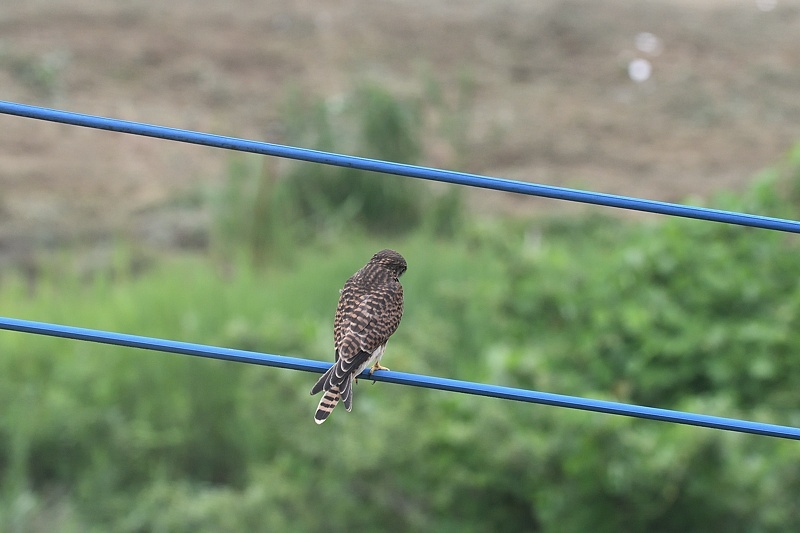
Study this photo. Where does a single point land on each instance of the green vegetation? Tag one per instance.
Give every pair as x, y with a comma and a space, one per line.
266, 214
42, 75
672, 313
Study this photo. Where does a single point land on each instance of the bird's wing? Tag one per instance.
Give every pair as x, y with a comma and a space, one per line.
366, 323
350, 319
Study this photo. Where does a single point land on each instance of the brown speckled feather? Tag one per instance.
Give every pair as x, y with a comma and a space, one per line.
369, 311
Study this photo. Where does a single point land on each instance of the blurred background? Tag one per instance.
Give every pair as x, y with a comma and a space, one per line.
672, 100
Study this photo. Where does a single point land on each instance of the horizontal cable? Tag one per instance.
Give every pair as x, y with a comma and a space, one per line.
412, 171
402, 378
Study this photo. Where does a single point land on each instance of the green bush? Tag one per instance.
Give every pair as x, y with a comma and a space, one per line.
682, 314
267, 213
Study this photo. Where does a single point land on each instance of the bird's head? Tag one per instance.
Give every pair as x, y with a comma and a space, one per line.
390, 260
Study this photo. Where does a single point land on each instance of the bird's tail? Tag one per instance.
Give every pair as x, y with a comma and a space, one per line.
333, 392
326, 404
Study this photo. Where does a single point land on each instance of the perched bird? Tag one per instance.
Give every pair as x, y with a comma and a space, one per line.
369, 311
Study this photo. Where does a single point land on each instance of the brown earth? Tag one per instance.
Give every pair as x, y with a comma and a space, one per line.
553, 102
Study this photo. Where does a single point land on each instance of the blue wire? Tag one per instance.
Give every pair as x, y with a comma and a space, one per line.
465, 387
402, 378
303, 154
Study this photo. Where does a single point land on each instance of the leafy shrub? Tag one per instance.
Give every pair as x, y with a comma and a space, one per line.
696, 316
269, 212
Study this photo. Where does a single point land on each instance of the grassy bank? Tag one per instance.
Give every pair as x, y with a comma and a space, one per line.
678, 314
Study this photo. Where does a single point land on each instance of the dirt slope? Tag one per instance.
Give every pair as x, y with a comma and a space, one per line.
553, 99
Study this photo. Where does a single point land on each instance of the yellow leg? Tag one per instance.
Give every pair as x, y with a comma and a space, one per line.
376, 366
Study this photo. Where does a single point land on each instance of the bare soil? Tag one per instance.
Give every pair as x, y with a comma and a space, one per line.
553, 101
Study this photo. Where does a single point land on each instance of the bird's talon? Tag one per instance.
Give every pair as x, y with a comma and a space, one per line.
375, 367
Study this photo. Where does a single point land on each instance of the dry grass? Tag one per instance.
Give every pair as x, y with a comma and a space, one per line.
552, 101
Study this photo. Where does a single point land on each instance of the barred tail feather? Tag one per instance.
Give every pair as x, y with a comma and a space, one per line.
326, 404
337, 384
322, 381
341, 371
347, 393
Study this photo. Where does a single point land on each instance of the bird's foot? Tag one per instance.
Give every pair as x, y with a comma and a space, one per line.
376, 366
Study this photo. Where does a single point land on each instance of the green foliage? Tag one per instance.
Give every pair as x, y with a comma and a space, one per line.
371, 123
695, 316
454, 117
43, 75
267, 213
251, 215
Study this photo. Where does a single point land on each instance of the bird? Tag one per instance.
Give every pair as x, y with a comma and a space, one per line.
369, 311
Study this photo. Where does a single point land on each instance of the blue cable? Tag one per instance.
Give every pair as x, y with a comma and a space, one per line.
448, 176
465, 387
402, 378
